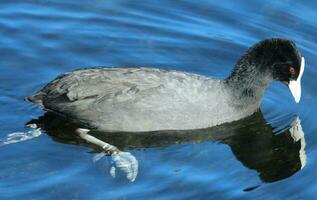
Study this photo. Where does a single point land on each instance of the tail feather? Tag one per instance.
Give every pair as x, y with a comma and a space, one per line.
37, 99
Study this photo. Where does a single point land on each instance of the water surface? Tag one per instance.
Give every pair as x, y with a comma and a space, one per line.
243, 160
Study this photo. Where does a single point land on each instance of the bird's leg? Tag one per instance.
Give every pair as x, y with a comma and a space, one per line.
108, 148
123, 160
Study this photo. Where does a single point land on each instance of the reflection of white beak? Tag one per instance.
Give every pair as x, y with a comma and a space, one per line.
297, 134
295, 86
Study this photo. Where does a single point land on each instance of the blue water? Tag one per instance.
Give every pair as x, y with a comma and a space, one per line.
41, 39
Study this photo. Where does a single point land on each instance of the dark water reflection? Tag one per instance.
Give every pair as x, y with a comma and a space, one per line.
41, 39
251, 140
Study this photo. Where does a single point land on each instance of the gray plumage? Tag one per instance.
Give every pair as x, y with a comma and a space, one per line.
138, 99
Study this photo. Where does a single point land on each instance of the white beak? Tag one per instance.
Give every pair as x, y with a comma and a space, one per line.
295, 86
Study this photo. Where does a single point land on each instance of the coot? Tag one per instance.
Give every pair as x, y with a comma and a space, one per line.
148, 99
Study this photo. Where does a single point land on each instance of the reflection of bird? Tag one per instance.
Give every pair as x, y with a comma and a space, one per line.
146, 99
251, 140
275, 157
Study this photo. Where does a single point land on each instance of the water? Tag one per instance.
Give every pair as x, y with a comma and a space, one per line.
243, 160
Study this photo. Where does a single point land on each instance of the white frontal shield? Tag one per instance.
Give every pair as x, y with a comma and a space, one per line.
295, 86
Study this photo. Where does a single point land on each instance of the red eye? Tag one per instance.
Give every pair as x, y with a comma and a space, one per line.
292, 70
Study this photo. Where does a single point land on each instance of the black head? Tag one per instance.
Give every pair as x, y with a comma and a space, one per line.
267, 60
280, 57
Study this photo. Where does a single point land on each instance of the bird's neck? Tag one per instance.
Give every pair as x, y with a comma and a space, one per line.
247, 85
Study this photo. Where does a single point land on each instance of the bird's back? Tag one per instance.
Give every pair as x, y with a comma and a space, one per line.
136, 99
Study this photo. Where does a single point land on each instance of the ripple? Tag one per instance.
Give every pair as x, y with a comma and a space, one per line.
41, 39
